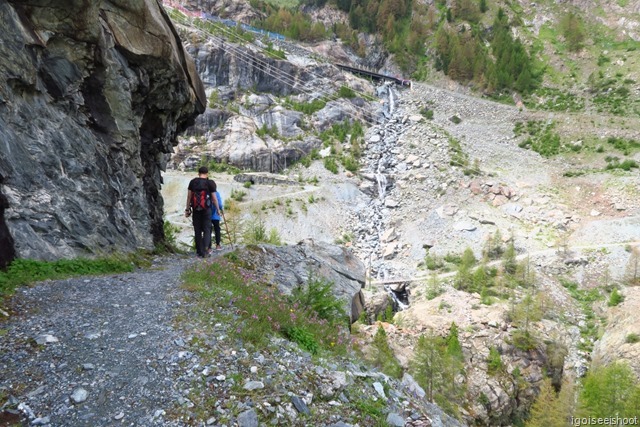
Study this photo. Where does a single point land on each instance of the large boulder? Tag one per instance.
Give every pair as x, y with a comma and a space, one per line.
92, 96
291, 266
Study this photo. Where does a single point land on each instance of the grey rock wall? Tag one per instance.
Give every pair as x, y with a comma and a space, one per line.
92, 96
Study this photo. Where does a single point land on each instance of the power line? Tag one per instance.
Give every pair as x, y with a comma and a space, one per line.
266, 67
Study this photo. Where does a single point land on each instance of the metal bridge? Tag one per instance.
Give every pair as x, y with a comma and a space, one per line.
374, 76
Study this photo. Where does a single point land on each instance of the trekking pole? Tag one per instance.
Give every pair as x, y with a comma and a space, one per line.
226, 226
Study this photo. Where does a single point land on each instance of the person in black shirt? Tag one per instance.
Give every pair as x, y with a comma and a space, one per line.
201, 212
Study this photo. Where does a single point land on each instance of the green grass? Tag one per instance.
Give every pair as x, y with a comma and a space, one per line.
541, 137
308, 107
286, 4
310, 316
26, 271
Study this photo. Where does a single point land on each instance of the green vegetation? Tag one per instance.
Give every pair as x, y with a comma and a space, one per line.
307, 107
494, 361
586, 298
255, 232
26, 271
275, 52
632, 338
346, 92
330, 164
265, 130
462, 55
551, 99
436, 365
572, 29
237, 195
222, 167
541, 137
433, 287
427, 113
261, 310
612, 94
170, 235
291, 24
615, 298
552, 409
383, 356
615, 163
611, 389
626, 146
460, 158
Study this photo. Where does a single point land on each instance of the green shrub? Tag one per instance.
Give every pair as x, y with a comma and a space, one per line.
626, 165
494, 361
433, 262
427, 113
349, 163
455, 120
309, 107
615, 298
255, 232
346, 92
247, 184
237, 195
170, 235
318, 296
632, 338
265, 130
330, 164
222, 167
524, 340
626, 146
275, 52
302, 337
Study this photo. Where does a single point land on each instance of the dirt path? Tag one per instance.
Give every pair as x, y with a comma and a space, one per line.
109, 340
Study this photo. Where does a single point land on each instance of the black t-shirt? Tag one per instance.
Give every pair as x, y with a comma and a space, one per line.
196, 185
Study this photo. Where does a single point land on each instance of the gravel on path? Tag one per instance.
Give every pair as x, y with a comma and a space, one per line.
95, 351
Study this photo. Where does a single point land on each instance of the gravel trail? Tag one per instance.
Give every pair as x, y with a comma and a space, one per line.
95, 351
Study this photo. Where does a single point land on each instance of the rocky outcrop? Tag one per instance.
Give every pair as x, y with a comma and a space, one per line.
620, 339
291, 266
92, 96
251, 121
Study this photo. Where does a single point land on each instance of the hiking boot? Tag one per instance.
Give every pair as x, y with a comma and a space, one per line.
218, 248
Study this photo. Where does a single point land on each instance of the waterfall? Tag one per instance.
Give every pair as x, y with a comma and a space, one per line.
400, 298
382, 184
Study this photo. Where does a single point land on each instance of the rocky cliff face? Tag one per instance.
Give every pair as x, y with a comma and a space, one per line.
249, 91
92, 95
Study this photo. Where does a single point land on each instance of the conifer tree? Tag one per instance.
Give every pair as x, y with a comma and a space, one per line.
384, 358
546, 410
608, 391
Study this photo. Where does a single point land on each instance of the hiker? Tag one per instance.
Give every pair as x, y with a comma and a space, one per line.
215, 221
200, 201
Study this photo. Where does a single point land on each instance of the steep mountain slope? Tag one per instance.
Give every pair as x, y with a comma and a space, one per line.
89, 106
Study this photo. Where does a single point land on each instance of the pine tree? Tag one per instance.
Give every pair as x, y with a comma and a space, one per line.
607, 391
509, 263
483, 6
546, 411
384, 358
